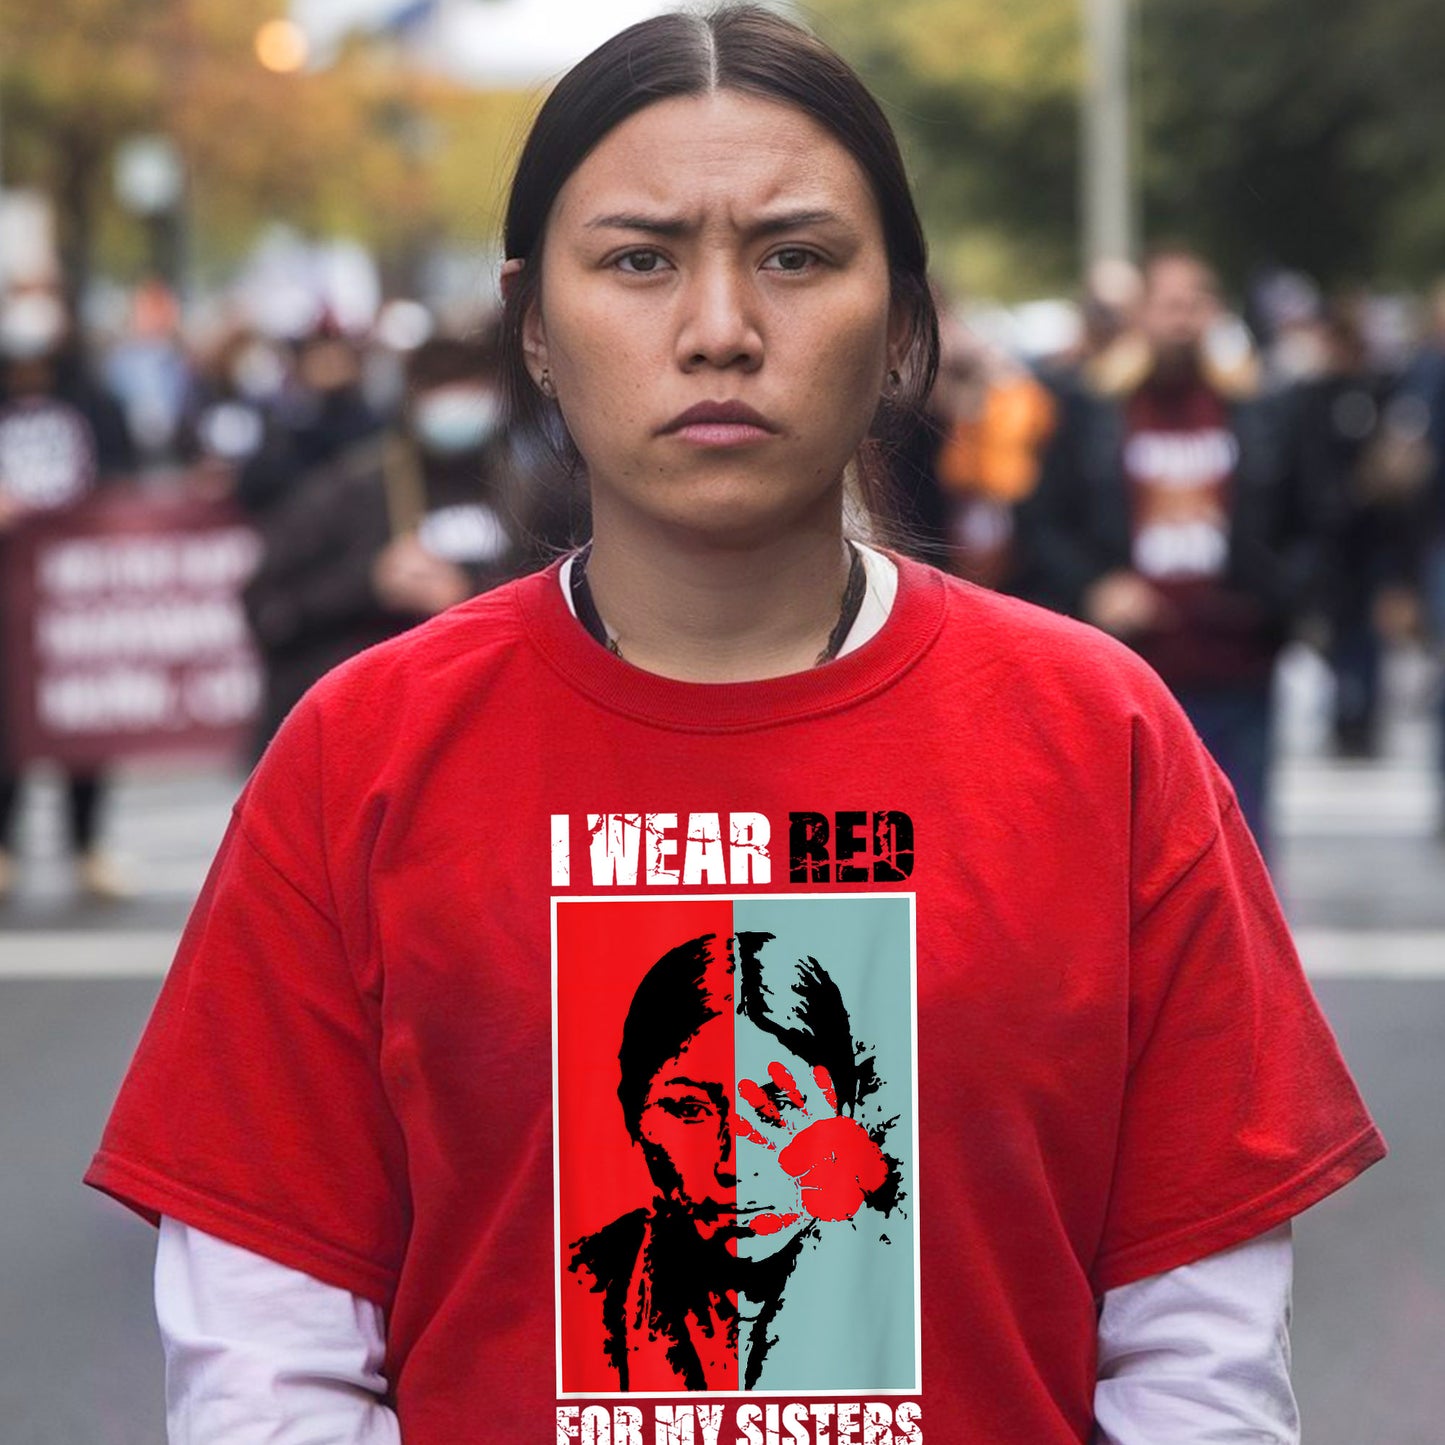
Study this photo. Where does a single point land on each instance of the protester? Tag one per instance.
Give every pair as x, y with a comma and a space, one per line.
148, 370
393, 531
974, 456
60, 437
1000, 420
319, 412
229, 430
1423, 388
1170, 515
1120, 1090
1363, 460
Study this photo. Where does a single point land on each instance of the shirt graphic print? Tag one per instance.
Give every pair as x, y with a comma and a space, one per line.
1180, 457
735, 1145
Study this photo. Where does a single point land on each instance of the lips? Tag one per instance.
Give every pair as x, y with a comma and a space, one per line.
706, 415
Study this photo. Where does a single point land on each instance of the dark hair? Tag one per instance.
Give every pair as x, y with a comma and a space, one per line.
741, 48
705, 978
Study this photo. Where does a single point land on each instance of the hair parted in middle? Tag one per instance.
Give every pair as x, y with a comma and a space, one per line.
750, 50
794, 999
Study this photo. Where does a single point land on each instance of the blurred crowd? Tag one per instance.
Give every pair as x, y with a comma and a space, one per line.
1207, 484
372, 464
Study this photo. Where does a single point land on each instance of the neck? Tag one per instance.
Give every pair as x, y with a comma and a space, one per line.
698, 609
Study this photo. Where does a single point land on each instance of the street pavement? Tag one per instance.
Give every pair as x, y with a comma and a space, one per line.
1360, 865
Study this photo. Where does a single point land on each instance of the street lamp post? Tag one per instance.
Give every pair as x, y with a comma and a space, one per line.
1106, 191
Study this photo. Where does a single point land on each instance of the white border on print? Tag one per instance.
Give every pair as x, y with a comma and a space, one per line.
734, 898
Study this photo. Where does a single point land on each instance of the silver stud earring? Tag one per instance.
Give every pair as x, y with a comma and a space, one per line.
545, 384
895, 379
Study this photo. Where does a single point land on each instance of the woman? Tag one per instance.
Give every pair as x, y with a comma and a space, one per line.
716, 295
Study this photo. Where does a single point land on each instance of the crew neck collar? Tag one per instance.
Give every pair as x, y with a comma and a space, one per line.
617, 684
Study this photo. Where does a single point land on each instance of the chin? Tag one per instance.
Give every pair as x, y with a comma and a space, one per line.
734, 507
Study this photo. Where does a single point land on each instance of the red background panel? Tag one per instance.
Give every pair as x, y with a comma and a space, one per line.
603, 950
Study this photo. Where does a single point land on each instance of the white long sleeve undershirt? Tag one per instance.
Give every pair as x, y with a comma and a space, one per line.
259, 1354
1200, 1355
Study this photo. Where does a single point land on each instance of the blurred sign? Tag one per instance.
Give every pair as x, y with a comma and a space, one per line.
123, 632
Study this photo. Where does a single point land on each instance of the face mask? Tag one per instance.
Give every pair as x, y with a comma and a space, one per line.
455, 419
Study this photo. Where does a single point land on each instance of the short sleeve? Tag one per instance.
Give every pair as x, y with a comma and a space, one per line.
1238, 1111
254, 1108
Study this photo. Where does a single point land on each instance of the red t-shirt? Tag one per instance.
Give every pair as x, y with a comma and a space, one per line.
720, 1060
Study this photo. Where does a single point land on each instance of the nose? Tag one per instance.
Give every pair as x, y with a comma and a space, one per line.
726, 1170
719, 322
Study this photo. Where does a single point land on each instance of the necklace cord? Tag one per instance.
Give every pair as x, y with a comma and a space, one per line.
854, 591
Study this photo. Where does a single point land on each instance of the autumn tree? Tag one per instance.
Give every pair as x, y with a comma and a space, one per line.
364, 147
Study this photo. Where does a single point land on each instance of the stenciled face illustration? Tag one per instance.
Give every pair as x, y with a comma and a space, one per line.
688, 1121
762, 1119
747, 1139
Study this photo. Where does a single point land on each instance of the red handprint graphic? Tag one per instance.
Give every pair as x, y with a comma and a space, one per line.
832, 1158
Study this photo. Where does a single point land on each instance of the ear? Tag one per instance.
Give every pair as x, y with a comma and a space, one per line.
511, 274
534, 334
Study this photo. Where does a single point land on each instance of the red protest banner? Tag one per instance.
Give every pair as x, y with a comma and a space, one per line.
123, 632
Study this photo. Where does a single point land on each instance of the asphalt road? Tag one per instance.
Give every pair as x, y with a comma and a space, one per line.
1359, 864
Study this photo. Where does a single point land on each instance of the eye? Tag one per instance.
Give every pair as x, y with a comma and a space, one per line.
793, 260
641, 262
686, 1109
779, 1100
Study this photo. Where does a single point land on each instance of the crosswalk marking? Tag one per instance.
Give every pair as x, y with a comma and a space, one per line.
87, 953
1372, 953
1322, 799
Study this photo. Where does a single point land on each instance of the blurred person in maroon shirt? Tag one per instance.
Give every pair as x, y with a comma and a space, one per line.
1171, 515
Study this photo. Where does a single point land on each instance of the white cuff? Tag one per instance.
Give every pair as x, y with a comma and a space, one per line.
1201, 1354
259, 1354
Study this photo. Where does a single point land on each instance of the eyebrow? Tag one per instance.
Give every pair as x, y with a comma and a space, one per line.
669, 226
714, 1091
677, 1079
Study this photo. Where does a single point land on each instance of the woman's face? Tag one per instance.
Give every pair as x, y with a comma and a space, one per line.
722, 1133
687, 1119
716, 249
